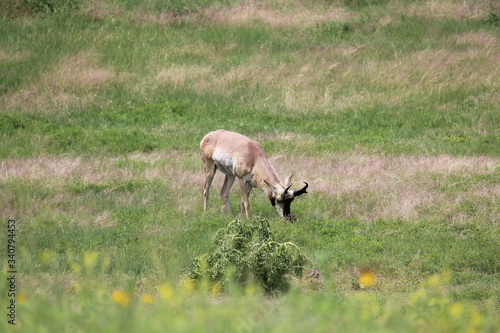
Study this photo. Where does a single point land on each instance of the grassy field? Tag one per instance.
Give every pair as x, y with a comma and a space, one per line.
389, 109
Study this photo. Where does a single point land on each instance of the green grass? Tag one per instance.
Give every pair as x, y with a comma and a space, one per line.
388, 109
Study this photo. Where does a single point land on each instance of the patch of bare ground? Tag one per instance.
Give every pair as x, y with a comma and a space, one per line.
361, 186
251, 13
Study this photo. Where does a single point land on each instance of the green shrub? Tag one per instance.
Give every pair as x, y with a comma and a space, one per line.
246, 252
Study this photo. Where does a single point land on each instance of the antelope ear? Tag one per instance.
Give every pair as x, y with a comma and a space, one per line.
288, 180
272, 188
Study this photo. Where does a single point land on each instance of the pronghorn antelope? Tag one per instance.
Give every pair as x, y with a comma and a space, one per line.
239, 157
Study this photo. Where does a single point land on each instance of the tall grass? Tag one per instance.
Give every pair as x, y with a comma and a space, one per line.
92, 305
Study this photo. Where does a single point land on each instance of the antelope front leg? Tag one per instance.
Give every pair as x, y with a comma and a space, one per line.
245, 192
224, 193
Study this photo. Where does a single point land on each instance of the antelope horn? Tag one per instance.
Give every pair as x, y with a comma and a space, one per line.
301, 191
282, 198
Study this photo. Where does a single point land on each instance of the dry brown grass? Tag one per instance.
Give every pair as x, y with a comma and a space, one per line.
312, 80
100, 11
249, 75
458, 9
484, 39
81, 70
403, 187
176, 76
435, 68
283, 14
367, 187
57, 169
316, 78
8, 56
250, 13
299, 85
33, 98
55, 89
105, 220
285, 136
296, 16
61, 169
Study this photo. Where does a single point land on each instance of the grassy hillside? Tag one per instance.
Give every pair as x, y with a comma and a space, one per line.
389, 109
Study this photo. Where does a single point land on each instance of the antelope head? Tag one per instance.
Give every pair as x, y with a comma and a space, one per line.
281, 197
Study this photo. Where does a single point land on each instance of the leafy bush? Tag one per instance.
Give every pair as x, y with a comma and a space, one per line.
246, 252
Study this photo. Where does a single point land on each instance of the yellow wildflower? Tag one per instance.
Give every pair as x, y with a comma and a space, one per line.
120, 297
434, 280
189, 286
47, 256
456, 310
147, 299
90, 259
417, 296
216, 289
78, 287
75, 267
21, 299
166, 292
476, 321
367, 278
250, 289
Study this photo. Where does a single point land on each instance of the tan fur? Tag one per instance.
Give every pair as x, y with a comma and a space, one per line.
238, 157
249, 154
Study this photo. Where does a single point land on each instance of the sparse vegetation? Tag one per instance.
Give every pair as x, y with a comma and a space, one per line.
388, 109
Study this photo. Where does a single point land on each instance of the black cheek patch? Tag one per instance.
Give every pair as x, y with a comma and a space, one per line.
273, 201
286, 209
